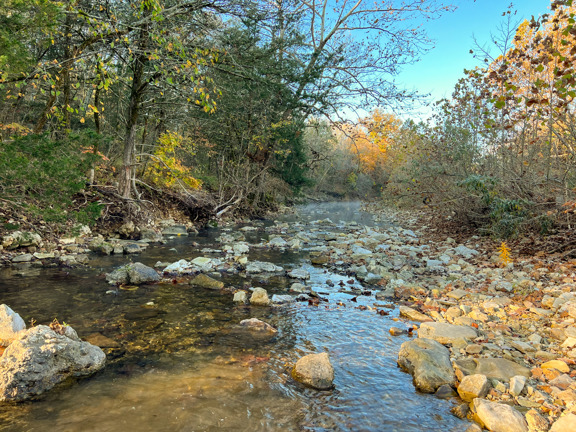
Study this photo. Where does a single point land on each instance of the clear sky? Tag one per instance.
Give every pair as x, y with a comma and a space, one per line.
454, 34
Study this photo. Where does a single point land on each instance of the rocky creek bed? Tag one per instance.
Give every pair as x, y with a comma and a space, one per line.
219, 329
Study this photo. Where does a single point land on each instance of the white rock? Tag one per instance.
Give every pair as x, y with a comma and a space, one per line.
11, 325
517, 384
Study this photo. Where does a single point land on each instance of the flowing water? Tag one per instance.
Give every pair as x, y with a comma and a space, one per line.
177, 365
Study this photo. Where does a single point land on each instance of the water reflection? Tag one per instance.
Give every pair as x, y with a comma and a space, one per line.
175, 365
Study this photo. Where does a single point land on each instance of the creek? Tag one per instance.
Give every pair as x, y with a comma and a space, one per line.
176, 366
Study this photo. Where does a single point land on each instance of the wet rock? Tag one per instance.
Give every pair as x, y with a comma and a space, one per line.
41, 359
207, 282
19, 239
259, 297
204, 262
473, 386
445, 392
314, 370
11, 325
240, 248
240, 297
395, 331
413, 314
566, 423
446, 333
299, 288
496, 368
262, 267
499, 417
428, 362
254, 324
473, 427
320, 259
277, 242
150, 235
134, 274
460, 411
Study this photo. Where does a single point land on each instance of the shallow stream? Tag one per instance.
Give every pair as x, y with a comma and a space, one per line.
177, 366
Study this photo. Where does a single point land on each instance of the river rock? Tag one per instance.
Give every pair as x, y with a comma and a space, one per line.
282, 299
19, 239
23, 258
277, 242
413, 314
259, 297
134, 273
314, 370
254, 324
566, 423
175, 230
151, 236
262, 267
179, 267
11, 325
446, 333
299, 274
496, 368
207, 282
498, 417
428, 362
473, 386
41, 359
240, 297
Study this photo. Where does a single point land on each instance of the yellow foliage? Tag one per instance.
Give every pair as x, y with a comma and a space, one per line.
504, 253
166, 169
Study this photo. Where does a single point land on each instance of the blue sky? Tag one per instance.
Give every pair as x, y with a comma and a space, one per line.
454, 33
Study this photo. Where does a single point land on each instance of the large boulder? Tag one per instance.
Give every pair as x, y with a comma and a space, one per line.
42, 358
497, 417
446, 333
495, 368
207, 282
314, 370
428, 362
134, 274
11, 325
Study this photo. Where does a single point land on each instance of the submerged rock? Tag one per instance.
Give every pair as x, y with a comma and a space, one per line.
11, 325
314, 370
254, 324
240, 297
207, 282
428, 362
41, 359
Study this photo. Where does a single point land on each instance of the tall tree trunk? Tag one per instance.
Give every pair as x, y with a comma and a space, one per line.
136, 92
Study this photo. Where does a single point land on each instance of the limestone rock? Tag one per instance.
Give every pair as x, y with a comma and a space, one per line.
497, 368
299, 274
473, 386
262, 267
446, 333
428, 362
517, 384
175, 230
499, 417
19, 239
314, 370
207, 282
565, 423
259, 297
41, 359
11, 325
413, 314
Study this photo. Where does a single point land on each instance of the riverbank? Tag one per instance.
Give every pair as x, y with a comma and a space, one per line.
389, 273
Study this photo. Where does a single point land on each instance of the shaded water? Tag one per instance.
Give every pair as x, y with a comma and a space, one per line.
179, 367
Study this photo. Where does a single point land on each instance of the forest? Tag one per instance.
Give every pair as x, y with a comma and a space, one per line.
111, 110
